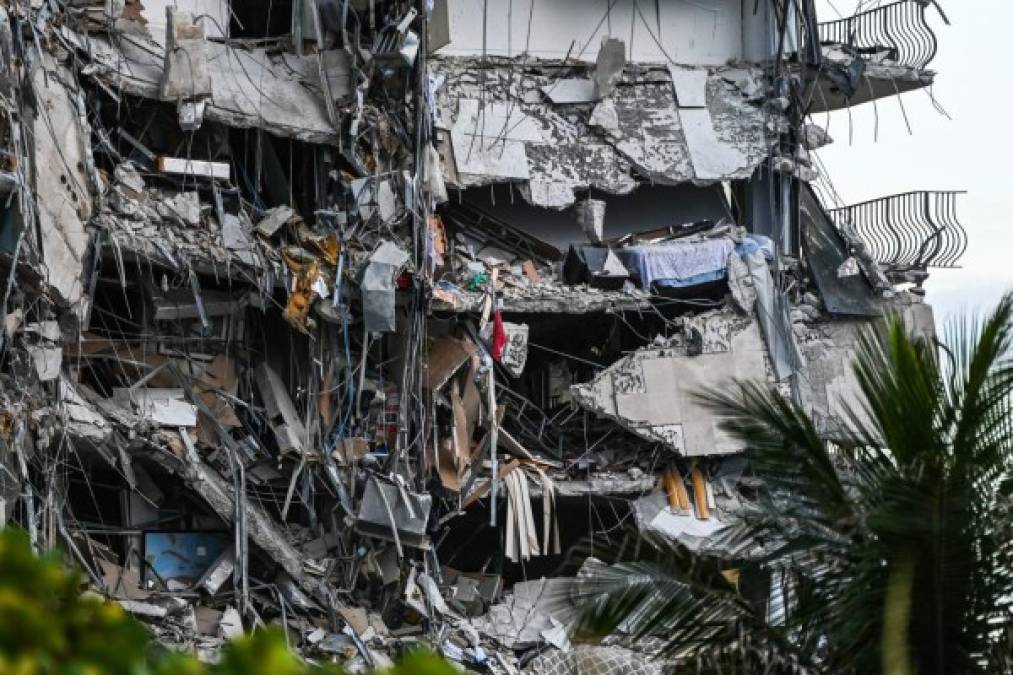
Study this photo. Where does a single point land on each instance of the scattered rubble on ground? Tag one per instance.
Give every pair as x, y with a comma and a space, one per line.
338, 318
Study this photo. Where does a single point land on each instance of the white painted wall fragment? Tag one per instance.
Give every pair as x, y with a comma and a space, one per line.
698, 32
652, 391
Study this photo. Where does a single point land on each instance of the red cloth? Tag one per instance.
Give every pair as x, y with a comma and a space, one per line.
499, 336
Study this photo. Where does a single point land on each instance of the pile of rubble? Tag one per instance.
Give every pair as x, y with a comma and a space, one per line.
315, 318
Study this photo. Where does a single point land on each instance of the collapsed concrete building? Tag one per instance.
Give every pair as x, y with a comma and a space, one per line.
372, 318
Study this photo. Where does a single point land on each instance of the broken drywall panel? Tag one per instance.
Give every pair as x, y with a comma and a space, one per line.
237, 238
285, 422
446, 356
337, 65
165, 407
251, 88
690, 86
62, 184
652, 391
47, 361
653, 514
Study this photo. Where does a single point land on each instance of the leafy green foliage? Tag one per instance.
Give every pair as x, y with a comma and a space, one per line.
49, 627
46, 626
891, 541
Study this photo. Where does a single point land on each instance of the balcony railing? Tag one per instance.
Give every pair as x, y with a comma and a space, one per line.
912, 230
899, 28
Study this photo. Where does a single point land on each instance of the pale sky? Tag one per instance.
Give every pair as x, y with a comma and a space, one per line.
973, 151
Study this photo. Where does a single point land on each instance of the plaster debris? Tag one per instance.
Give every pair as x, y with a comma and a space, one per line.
362, 330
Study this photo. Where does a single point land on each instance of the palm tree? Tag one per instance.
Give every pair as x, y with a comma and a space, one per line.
892, 542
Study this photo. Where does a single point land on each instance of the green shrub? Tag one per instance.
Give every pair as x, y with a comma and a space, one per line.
48, 626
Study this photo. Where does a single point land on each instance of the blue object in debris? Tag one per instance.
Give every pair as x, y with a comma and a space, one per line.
181, 556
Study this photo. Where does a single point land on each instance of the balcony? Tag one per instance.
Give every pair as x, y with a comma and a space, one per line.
910, 231
876, 53
897, 33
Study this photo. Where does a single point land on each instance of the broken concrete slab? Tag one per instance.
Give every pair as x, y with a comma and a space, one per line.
652, 391
608, 67
62, 153
185, 73
281, 102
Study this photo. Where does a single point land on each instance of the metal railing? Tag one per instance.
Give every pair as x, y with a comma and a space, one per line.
914, 229
900, 28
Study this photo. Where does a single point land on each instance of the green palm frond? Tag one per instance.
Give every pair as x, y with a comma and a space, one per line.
893, 538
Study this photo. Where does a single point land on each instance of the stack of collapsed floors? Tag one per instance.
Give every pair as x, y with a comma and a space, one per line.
382, 322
